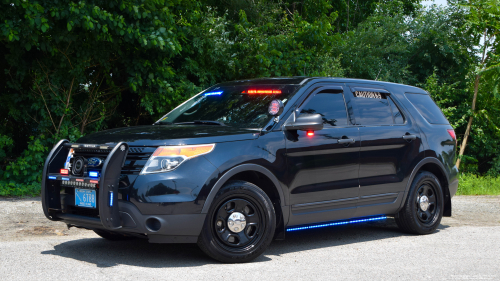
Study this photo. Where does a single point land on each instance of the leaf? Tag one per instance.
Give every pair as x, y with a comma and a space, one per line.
44, 28
69, 26
27, 46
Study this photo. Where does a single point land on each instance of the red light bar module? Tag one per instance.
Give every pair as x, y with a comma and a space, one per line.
253, 91
64, 171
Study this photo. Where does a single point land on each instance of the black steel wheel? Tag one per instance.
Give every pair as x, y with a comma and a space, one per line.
239, 225
423, 210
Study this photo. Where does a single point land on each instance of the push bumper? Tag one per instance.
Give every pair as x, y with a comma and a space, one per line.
112, 214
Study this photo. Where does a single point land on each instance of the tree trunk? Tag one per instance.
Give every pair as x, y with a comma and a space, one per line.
476, 89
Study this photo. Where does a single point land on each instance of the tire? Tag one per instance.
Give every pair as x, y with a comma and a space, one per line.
222, 240
112, 236
414, 217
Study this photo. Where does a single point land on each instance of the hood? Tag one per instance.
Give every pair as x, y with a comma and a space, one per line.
156, 135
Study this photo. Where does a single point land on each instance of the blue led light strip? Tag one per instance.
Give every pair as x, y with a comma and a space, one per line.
52, 178
337, 223
213, 94
111, 198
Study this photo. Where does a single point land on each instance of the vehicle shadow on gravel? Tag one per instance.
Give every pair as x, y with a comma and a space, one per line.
104, 253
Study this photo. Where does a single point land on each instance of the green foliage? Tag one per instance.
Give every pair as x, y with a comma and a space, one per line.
73, 68
471, 184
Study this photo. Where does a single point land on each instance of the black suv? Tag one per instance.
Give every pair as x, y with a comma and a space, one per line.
244, 162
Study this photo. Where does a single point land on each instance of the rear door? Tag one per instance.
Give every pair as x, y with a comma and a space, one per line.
389, 144
323, 168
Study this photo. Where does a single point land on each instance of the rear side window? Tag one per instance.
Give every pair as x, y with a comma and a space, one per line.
373, 107
427, 108
330, 105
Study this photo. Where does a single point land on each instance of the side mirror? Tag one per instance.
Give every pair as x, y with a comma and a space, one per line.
306, 122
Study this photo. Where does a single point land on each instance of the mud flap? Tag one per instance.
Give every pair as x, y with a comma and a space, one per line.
108, 186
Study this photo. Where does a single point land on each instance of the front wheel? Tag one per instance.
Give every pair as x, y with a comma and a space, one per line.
423, 209
239, 225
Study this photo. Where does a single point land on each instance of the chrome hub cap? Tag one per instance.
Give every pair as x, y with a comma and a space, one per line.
236, 222
424, 203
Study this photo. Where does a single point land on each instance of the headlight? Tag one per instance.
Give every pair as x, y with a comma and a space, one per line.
167, 158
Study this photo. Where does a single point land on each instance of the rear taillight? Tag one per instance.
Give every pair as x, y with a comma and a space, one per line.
452, 134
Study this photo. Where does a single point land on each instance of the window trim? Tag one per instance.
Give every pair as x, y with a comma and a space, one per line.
320, 89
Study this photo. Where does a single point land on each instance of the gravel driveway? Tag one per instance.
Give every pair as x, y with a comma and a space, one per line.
465, 247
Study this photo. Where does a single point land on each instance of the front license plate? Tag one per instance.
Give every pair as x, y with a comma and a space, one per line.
85, 198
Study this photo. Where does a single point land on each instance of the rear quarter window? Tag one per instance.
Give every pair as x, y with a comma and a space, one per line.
427, 108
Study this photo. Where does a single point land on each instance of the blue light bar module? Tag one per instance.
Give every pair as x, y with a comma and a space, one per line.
111, 198
52, 178
353, 221
213, 93
93, 174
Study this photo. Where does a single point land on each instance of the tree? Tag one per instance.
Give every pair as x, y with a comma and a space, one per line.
484, 25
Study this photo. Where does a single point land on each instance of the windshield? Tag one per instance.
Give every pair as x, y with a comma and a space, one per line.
239, 106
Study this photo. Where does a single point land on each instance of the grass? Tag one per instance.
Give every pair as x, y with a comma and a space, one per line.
478, 185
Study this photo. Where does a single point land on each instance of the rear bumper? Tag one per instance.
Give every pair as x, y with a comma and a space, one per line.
180, 228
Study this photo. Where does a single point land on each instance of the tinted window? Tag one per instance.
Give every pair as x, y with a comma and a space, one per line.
396, 113
330, 105
374, 109
427, 108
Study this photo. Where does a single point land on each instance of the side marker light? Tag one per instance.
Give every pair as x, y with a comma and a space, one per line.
310, 133
337, 223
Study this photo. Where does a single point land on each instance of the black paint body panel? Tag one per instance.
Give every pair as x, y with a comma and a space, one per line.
317, 179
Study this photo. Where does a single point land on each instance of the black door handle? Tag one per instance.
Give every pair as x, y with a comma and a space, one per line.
345, 141
409, 137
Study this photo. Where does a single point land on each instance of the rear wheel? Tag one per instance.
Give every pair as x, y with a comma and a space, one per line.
109, 235
239, 225
423, 209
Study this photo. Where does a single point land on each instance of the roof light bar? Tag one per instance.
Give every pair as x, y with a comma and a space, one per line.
253, 91
338, 223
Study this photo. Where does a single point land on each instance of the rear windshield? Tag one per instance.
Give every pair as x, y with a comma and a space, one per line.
427, 108
244, 106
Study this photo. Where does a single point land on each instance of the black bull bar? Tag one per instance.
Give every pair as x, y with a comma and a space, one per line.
107, 184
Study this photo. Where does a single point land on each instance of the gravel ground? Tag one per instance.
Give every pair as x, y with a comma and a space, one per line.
465, 247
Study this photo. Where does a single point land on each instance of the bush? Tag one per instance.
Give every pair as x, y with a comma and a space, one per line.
471, 184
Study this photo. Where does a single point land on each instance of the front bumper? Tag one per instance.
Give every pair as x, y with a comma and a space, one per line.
110, 213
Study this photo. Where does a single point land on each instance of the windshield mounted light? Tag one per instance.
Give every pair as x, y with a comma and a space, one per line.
213, 93
253, 91
168, 158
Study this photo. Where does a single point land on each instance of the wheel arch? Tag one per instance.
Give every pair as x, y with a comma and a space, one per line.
264, 179
435, 167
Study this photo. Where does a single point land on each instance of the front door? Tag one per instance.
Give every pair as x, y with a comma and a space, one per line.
323, 168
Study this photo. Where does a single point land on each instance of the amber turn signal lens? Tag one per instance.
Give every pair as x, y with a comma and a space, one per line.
187, 151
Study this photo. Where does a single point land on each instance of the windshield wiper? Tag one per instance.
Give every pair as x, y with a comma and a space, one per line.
202, 122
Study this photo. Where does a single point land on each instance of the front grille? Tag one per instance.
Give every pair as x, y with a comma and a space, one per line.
136, 158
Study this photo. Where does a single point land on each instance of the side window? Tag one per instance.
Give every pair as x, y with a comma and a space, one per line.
427, 108
330, 104
396, 113
373, 107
